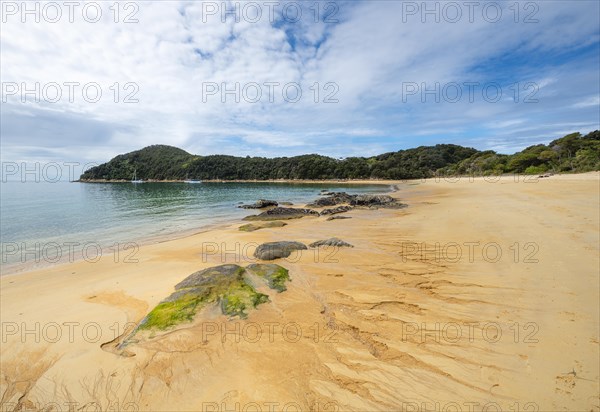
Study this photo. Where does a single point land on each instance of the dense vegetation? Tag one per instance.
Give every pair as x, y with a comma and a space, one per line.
572, 153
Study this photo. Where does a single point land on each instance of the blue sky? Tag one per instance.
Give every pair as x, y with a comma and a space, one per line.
371, 60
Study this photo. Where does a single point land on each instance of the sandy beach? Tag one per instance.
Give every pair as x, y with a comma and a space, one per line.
482, 294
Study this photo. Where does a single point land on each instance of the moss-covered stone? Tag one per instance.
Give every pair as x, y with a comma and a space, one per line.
240, 297
173, 312
224, 284
251, 227
273, 274
334, 241
216, 276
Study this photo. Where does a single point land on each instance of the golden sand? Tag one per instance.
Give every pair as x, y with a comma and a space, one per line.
481, 295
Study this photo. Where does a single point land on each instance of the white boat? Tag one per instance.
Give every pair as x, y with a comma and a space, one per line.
188, 180
135, 179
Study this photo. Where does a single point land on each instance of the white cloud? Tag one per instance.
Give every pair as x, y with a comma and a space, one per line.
592, 101
370, 55
505, 124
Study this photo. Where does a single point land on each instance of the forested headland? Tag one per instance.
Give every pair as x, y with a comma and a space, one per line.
573, 153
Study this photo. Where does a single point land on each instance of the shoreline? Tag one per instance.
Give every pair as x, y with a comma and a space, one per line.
354, 181
285, 181
350, 316
392, 185
28, 266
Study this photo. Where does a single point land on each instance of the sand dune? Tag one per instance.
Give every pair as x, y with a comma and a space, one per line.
478, 295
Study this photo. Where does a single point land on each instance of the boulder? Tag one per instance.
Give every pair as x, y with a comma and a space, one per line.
334, 241
276, 250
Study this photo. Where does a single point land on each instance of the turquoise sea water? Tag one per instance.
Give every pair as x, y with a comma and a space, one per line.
39, 221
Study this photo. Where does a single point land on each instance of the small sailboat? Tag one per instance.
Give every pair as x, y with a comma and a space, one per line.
187, 180
135, 179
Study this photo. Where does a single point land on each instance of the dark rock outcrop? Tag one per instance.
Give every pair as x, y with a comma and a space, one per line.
370, 201
261, 204
251, 227
279, 213
336, 210
332, 199
338, 217
276, 250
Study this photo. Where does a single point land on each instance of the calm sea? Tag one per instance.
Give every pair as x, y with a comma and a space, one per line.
44, 223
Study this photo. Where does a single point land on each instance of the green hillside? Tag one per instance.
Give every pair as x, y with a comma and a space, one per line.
571, 153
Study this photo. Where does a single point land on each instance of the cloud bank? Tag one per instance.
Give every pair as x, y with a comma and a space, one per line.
285, 78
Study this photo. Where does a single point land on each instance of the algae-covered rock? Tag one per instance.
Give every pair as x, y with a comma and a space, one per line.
228, 286
174, 310
251, 227
224, 284
276, 250
239, 297
212, 275
334, 241
275, 275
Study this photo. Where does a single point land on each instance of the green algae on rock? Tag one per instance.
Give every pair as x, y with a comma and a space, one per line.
334, 241
174, 311
275, 275
224, 284
213, 276
239, 297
